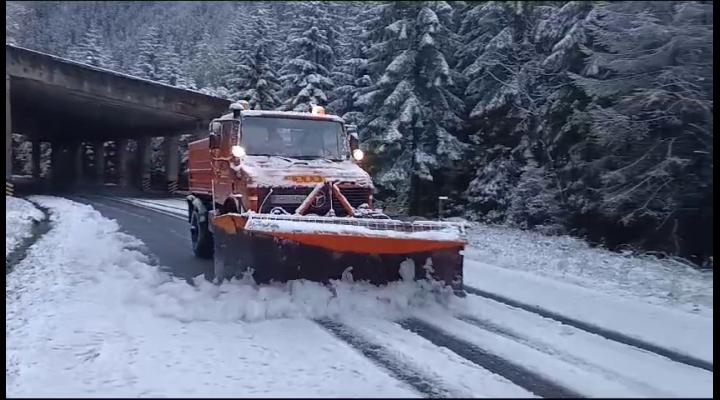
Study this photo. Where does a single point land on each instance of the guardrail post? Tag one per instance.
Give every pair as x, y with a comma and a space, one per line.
145, 160
8, 131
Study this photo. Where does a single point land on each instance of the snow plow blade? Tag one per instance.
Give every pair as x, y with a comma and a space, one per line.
287, 247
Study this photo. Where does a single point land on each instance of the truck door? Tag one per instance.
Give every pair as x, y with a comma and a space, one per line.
224, 175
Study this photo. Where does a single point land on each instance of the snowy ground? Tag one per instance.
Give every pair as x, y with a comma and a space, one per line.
19, 217
86, 316
647, 279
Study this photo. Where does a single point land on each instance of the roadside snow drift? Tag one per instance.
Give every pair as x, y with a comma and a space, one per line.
19, 217
86, 316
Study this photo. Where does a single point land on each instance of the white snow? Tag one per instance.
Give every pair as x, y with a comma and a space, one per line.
274, 171
642, 371
566, 259
450, 233
439, 363
19, 217
86, 316
667, 327
570, 375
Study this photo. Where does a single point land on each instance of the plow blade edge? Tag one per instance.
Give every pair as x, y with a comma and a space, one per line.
281, 251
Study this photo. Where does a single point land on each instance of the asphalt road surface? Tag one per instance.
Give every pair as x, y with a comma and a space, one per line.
167, 237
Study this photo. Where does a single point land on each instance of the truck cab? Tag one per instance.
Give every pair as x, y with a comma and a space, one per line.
273, 161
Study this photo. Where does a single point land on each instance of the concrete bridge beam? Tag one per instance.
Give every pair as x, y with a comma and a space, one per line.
172, 163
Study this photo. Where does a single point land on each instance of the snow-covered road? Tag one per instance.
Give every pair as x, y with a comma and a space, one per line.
87, 316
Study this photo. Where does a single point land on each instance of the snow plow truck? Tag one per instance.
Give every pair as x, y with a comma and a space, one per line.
279, 195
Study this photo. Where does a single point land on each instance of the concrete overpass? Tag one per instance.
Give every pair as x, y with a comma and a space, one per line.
65, 103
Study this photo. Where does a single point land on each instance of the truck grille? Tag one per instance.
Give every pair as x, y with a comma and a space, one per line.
289, 199
354, 195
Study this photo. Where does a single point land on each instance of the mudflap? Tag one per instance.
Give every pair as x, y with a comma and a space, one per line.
274, 259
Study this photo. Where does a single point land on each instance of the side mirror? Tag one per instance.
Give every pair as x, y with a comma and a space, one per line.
353, 136
213, 141
214, 136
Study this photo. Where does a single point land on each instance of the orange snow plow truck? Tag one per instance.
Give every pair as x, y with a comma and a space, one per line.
280, 196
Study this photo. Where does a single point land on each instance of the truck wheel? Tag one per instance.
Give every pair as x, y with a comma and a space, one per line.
202, 241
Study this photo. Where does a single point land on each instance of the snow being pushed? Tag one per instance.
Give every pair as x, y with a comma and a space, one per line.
373, 228
87, 257
19, 218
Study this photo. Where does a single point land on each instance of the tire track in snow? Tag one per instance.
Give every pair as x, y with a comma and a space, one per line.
561, 355
517, 374
377, 354
597, 330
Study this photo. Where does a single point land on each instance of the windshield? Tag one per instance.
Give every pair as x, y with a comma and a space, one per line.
293, 137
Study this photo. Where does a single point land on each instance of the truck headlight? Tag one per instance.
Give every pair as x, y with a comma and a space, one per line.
358, 154
238, 151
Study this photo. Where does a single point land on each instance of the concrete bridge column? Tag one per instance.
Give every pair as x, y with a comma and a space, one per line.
172, 163
122, 157
36, 154
58, 158
77, 155
8, 133
145, 161
99, 155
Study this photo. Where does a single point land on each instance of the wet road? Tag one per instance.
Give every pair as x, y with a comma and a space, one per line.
169, 246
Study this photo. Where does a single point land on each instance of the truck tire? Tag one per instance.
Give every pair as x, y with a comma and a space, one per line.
200, 236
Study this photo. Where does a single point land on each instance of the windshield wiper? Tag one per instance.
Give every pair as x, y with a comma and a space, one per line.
272, 155
316, 158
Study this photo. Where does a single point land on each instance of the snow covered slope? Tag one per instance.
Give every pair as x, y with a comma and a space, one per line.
647, 279
19, 217
657, 301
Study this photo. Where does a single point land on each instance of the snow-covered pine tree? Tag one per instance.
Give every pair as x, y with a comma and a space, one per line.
17, 15
236, 56
533, 202
650, 76
204, 66
515, 60
306, 75
21, 155
351, 73
260, 85
148, 63
169, 71
91, 50
411, 108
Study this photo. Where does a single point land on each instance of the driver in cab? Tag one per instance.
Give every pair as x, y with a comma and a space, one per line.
273, 143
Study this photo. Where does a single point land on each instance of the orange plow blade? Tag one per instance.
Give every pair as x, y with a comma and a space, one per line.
285, 247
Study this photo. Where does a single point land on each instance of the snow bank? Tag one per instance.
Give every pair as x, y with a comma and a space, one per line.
646, 279
86, 316
19, 217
